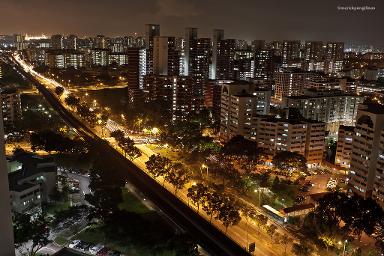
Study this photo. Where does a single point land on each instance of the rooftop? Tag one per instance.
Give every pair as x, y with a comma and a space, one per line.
300, 207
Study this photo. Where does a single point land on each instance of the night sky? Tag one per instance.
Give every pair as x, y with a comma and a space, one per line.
246, 19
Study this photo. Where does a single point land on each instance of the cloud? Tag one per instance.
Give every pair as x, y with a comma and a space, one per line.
178, 8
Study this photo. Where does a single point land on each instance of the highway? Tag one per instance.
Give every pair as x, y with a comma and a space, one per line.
208, 236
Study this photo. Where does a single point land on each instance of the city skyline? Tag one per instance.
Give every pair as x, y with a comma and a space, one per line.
292, 20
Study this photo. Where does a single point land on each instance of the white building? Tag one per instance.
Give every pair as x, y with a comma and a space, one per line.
344, 146
332, 107
240, 102
367, 162
304, 137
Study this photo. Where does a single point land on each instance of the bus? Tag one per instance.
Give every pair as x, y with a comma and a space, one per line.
275, 214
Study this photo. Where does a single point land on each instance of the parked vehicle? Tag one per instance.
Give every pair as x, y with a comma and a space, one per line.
74, 243
95, 249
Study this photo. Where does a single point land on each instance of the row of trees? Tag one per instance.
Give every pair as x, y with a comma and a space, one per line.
89, 114
176, 174
216, 204
126, 144
52, 141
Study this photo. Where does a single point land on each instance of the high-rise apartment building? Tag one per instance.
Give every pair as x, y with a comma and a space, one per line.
290, 51
71, 42
240, 103
11, 105
151, 31
314, 56
334, 55
366, 172
225, 59
200, 58
19, 41
264, 65
99, 57
332, 107
344, 146
57, 42
174, 93
304, 137
218, 35
166, 58
6, 231
136, 72
291, 82
190, 46
244, 64
64, 58
100, 42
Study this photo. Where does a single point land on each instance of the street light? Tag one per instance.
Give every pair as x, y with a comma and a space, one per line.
155, 130
344, 245
206, 167
259, 191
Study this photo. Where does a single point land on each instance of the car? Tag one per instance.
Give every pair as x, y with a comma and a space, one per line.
95, 249
82, 246
103, 252
114, 253
74, 243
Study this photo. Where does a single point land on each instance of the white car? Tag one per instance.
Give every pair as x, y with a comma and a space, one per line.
95, 249
74, 243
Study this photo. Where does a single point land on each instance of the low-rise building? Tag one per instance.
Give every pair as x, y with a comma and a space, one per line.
33, 182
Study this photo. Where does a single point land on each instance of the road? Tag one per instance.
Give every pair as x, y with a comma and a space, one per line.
212, 239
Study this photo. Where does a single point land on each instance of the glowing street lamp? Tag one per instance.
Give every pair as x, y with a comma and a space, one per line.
344, 245
155, 130
203, 166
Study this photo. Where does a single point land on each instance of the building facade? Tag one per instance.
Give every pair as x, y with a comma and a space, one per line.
344, 146
291, 82
240, 102
366, 172
332, 107
11, 106
304, 137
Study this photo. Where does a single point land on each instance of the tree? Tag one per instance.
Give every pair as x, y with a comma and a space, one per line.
285, 240
178, 176
238, 145
30, 233
289, 162
249, 213
106, 183
261, 220
228, 213
72, 100
212, 203
198, 194
59, 90
302, 249
118, 135
128, 146
52, 141
158, 165
271, 229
